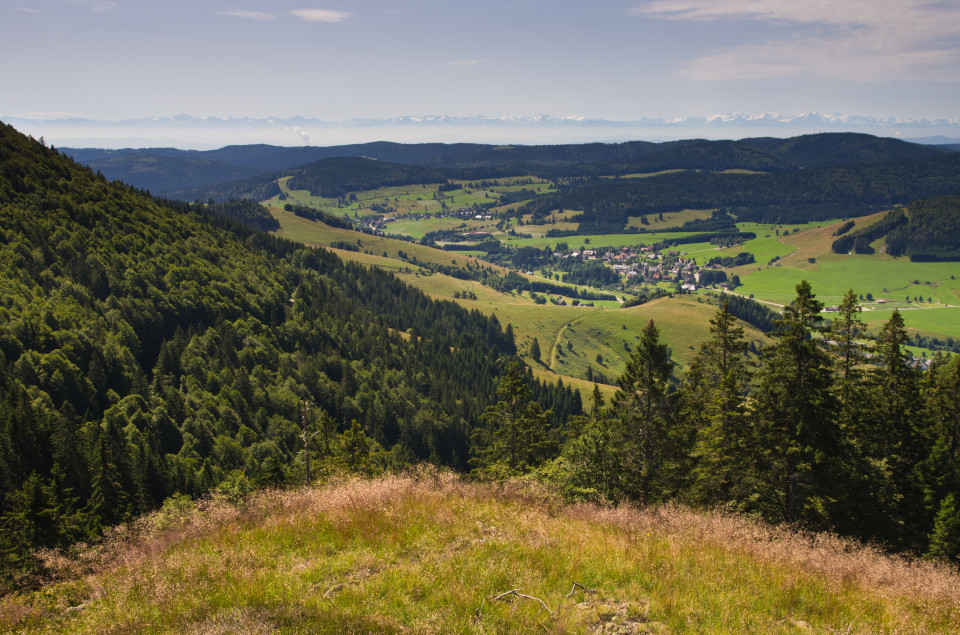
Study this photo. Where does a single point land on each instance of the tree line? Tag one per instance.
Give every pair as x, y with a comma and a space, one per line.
819, 193
812, 435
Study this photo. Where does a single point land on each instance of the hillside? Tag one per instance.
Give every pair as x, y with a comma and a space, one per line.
190, 174
430, 553
813, 194
148, 351
151, 350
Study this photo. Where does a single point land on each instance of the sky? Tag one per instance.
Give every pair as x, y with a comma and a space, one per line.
340, 60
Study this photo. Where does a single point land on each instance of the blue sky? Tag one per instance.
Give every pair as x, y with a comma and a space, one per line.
611, 59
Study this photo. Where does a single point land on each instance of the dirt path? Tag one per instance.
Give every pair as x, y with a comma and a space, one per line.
556, 343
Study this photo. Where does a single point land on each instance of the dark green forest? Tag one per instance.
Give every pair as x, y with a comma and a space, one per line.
814, 194
149, 349
152, 348
193, 174
929, 231
932, 231
334, 178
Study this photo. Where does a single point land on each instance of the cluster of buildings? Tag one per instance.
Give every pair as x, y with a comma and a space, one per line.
644, 265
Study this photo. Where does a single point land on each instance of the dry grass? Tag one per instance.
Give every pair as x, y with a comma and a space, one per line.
428, 552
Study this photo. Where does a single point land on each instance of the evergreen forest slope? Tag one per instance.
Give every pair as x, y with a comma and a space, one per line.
148, 350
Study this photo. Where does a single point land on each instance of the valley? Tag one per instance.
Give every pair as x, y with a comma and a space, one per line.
574, 337
768, 330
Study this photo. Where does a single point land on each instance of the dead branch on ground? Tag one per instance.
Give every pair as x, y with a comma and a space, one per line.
577, 584
517, 593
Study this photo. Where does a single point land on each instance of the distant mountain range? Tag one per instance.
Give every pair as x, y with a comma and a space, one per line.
189, 131
243, 171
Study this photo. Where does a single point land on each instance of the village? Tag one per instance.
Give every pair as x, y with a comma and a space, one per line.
645, 265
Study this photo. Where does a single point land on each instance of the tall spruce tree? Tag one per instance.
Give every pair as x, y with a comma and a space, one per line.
795, 441
896, 433
642, 412
513, 437
714, 401
535, 349
592, 457
845, 330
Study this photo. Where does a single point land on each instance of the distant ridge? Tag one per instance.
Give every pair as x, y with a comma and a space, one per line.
193, 174
188, 131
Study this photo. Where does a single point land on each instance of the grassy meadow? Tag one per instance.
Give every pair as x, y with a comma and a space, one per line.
575, 339
431, 553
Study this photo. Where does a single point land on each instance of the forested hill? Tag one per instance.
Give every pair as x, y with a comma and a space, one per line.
146, 350
333, 178
180, 173
932, 231
789, 196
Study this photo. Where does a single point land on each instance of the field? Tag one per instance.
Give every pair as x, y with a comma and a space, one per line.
312, 233
409, 199
430, 553
597, 240
573, 339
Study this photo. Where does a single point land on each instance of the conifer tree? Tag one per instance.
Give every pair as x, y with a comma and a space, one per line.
715, 405
945, 537
845, 331
513, 435
108, 503
593, 457
795, 441
535, 349
641, 411
896, 433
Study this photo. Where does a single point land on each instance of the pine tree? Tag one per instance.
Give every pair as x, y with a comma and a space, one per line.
896, 432
715, 405
108, 503
845, 330
513, 435
355, 448
535, 349
641, 411
795, 441
945, 537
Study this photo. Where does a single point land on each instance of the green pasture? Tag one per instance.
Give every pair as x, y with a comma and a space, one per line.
670, 219
419, 228
555, 216
613, 303
540, 231
601, 240
939, 321
645, 175
683, 322
310, 232
763, 249
882, 277
515, 184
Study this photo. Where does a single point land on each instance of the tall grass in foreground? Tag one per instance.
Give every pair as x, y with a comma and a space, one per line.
430, 553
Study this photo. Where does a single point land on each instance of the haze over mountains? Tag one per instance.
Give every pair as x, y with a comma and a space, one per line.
195, 132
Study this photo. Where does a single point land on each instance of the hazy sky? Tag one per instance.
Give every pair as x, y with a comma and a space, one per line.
613, 59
